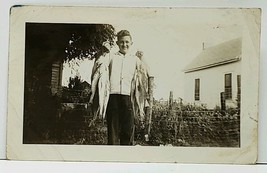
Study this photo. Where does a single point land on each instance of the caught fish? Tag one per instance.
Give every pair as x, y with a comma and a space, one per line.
139, 91
103, 91
100, 85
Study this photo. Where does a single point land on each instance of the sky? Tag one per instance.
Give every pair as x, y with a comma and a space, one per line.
170, 40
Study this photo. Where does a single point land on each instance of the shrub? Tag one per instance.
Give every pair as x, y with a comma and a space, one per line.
195, 126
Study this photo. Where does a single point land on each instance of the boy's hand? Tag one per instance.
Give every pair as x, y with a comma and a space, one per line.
139, 54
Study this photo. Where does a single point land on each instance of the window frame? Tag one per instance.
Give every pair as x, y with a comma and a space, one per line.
197, 90
228, 87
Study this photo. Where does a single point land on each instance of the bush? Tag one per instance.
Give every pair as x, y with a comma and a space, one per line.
195, 126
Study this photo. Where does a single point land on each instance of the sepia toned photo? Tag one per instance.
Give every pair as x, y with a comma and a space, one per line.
60, 89
168, 82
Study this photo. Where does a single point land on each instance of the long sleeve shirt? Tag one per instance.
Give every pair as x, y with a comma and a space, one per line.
122, 69
121, 74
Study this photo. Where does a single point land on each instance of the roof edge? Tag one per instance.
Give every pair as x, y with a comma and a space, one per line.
214, 65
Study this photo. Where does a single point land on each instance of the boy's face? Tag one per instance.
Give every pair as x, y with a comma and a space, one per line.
124, 44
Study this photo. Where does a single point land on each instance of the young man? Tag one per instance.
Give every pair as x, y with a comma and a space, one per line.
126, 91
120, 115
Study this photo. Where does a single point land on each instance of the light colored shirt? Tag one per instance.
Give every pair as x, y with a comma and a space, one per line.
122, 68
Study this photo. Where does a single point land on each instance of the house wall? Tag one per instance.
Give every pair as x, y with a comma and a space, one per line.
212, 84
56, 76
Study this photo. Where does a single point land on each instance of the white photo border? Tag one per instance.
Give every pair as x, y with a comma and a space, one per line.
247, 153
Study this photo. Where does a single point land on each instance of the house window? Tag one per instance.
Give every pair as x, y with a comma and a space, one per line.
197, 87
228, 86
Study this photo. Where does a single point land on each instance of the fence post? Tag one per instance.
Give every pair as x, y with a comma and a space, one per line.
171, 100
223, 102
150, 100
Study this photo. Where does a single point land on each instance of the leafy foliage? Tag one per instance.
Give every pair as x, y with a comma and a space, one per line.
76, 83
87, 42
196, 126
78, 91
51, 42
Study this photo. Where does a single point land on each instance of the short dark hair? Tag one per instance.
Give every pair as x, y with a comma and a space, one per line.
123, 33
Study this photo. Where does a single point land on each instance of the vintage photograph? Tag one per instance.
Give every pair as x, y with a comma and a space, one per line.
192, 97
162, 77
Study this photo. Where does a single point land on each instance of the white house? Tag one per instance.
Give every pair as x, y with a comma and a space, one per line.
215, 70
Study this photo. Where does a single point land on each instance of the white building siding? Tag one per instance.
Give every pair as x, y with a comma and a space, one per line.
212, 84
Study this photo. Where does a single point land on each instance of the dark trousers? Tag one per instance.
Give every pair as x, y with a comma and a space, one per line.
120, 120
